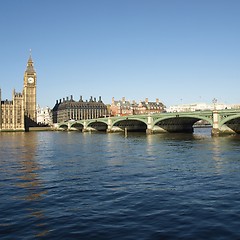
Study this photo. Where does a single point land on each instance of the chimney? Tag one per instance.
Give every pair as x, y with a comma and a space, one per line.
80, 99
112, 100
157, 100
100, 99
123, 99
71, 97
63, 99
56, 101
67, 98
95, 100
146, 100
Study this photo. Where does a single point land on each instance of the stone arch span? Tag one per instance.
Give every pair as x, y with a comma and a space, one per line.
76, 126
230, 122
97, 126
132, 125
63, 127
178, 123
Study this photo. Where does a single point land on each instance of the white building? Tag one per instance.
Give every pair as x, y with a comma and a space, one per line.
198, 107
44, 116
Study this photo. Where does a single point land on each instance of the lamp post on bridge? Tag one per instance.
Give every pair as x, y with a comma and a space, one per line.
214, 103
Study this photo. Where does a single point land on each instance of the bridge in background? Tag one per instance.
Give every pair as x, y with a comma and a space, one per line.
222, 122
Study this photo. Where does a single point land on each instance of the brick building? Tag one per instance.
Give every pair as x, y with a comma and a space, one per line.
124, 108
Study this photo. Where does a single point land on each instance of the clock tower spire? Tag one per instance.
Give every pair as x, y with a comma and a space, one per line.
29, 93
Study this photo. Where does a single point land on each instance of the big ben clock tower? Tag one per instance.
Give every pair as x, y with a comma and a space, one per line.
29, 94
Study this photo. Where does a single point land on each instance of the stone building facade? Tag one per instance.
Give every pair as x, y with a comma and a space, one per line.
44, 116
69, 109
19, 113
12, 113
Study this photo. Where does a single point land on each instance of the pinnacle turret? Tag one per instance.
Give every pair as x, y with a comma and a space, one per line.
30, 66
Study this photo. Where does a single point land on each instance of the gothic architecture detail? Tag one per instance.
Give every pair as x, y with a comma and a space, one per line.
29, 94
20, 113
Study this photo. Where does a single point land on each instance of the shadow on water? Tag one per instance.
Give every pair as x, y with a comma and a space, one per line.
196, 135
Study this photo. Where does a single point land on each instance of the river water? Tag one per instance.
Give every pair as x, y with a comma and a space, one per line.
71, 185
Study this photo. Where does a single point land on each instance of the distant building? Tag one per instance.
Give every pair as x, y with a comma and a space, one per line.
235, 106
124, 108
69, 109
19, 113
12, 113
145, 107
121, 108
44, 116
198, 107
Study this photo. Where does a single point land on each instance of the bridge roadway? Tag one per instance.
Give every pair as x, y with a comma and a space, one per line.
222, 122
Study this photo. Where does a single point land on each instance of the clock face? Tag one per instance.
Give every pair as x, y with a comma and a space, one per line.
30, 80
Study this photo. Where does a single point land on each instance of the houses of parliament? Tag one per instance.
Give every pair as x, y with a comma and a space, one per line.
19, 113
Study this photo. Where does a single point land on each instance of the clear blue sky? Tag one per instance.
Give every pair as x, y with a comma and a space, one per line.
180, 51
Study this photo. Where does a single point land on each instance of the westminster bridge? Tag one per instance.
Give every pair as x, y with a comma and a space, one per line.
221, 121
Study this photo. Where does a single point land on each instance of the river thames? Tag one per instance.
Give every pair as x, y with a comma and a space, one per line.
71, 185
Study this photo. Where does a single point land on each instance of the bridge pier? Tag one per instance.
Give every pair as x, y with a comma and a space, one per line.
150, 126
111, 128
84, 126
115, 129
149, 131
219, 129
223, 130
215, 129
215, 132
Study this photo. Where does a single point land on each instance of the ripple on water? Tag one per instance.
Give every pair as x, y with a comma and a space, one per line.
63, 186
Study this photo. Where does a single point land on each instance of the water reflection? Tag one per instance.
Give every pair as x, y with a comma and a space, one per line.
30, 180
115, 156
216, 151
104, 183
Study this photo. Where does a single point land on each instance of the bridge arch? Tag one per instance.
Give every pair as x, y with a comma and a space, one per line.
178, 123
97, 125
63, 126
196, 117
232, 122
131, 124
77, 126
229, 119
